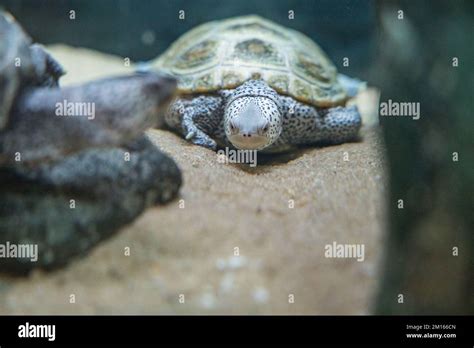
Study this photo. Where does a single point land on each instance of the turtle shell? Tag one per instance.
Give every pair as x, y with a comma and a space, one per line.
224, 54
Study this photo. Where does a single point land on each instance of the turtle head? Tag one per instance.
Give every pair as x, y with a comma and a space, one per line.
253, 117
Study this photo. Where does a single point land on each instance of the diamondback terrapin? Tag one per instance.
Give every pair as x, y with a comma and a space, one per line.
254, 84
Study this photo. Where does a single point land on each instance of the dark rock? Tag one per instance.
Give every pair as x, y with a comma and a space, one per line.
40, 122
108, 192
70, 180
123, 108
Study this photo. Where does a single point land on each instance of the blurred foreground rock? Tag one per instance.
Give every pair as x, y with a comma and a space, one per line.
67, 207
69, 180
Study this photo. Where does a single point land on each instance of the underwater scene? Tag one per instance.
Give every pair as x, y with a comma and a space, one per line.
307, 157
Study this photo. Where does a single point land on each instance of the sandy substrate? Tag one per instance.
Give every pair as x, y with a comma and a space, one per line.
278, 216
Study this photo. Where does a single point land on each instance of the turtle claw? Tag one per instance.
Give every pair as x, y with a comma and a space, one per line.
190, 135
202, 139
197, 136
205, 142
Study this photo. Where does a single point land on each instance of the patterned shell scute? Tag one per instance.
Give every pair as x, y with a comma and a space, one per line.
226, 53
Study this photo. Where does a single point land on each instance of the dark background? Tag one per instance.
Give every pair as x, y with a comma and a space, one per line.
342, 28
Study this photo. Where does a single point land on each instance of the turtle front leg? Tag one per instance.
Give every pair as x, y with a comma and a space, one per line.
196, 118
304, 124
193, 132
340, 124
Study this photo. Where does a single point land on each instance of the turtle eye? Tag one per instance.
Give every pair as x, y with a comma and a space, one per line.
265, 129
232, 127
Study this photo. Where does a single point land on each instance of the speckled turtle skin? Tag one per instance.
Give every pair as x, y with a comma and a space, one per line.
249, 83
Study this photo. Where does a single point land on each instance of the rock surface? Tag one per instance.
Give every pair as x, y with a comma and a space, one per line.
71, 176
189, 247
67, 207
47, 124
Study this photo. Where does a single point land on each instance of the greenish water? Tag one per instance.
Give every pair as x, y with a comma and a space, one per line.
143, 29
